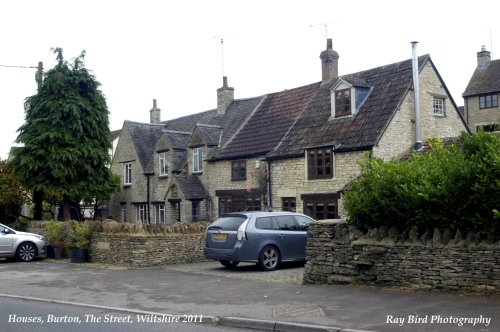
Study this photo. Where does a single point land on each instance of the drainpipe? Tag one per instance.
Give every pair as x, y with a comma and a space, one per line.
148, 198
416, 90
270, 196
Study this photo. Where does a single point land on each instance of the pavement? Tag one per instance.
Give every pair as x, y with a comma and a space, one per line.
249, 298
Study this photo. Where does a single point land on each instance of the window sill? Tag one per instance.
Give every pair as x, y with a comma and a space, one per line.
321, 179
238, 180
197, 173
127, 185
163, 176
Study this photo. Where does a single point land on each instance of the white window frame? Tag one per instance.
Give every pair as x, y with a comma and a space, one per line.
438, 106
141, 211
127, 173
162, 163
198, 160
160, 214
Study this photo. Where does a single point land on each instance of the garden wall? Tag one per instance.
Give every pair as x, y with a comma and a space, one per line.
340, 254
146, 250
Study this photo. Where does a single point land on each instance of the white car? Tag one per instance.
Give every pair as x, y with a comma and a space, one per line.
23, 246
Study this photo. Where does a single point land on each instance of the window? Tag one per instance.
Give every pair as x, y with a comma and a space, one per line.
238, 170
320, 163
198, 160
286, 223
302, 223
162, 161
488, 127
141, 213
159, 214
288, 204
264, 223
488, 101
321, 206
438, 106
127, 173
343, 102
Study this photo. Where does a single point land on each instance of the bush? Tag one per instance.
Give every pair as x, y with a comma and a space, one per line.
54, 233
455, 186
79, 234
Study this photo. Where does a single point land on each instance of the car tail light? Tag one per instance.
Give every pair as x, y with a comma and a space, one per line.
241, 234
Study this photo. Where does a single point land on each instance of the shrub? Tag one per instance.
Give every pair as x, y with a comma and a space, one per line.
455, 186
79, 234
54, 233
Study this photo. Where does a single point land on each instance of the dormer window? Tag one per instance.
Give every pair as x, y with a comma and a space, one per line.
162, 163
198, 160
343, 102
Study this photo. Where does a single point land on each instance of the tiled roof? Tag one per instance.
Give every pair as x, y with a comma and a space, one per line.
315, 127
484, 80
267, 126
191, 186
188, 122
178, 139
211, 134
114, 134
144, 137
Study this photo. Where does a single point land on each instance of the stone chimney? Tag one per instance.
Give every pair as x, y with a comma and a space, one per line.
329, 62
225, 97
483, 57
155, 113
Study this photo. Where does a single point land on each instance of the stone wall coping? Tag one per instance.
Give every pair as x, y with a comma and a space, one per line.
331, 221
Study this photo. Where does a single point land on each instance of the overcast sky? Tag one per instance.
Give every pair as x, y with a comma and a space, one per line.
171, 50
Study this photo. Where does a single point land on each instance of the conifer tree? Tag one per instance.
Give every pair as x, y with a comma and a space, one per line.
65, 136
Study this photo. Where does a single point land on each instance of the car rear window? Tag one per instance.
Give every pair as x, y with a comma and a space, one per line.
230, 223
264, 223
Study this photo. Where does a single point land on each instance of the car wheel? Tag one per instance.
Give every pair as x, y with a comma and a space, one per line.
229, 264
269, 258
26, 252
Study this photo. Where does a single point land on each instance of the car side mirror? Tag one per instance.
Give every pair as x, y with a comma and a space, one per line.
6, 231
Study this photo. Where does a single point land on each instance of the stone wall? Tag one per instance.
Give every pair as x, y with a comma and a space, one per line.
146, 250
338, 253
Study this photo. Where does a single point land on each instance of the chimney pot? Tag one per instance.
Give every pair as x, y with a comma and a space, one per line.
155, 113
224, 81
329, 62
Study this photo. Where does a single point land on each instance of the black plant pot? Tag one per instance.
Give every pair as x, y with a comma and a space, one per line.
58, 252
79, 255
50, 251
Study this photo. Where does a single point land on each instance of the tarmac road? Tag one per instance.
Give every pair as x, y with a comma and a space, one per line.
209, 290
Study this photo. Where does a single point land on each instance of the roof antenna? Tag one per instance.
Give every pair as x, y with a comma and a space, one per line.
325, 25
222, 51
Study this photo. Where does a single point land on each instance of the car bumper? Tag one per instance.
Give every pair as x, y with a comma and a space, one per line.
234, 254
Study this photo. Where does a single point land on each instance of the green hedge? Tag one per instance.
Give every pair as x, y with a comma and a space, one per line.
454, 186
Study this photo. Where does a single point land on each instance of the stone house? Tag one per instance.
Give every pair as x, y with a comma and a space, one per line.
481, 108
290, 150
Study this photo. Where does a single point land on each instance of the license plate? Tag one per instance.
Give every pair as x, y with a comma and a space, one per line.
219, 236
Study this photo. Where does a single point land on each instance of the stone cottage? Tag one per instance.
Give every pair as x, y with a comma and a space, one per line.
481, 108
289, 150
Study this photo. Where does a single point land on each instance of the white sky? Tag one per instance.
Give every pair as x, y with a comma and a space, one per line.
171, 50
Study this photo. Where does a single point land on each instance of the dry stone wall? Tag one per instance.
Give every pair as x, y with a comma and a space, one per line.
338, 253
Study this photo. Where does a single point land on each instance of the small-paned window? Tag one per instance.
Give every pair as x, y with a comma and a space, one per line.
288, 204
320, 163
488, 101
343, 102
127, 173
319, 209
141, 213
159, 214
162, 163
438, 106
198, 160
238, 170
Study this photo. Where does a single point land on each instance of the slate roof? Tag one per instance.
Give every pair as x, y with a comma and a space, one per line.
314, 128
267, 126
191, 186
211, 135
144, 137
178, 139
114, 134
484, 80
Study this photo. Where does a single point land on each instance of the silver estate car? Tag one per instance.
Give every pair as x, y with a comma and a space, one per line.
20, 245
265, 238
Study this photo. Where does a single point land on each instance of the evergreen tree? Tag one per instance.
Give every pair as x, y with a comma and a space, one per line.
66, 136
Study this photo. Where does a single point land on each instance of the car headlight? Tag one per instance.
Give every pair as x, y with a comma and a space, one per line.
41, 238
